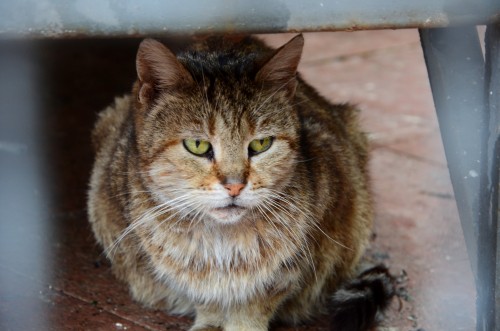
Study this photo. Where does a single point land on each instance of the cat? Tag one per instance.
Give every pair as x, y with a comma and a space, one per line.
226, 188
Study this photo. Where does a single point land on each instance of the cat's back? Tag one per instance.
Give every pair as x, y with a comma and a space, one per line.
328, 127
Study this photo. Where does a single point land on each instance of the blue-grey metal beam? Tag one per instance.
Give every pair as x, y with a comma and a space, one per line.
73, 18
491, 183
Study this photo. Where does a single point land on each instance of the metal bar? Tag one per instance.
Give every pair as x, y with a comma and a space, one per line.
62, 18
489, 231
455, 66
468, 113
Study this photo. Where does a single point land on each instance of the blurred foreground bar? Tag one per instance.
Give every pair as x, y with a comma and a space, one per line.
85, 18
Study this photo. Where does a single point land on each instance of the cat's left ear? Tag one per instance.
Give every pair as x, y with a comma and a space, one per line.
281, 69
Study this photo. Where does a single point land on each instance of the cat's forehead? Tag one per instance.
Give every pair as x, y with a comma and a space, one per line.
219, 65
247, 114
236, 102
232, 121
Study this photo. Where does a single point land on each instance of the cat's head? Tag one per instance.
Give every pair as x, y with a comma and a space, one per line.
216, 130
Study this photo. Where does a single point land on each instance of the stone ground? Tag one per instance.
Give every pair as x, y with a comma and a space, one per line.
52, 274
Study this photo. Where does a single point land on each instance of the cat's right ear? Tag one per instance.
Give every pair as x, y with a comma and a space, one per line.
158, 69
280, 70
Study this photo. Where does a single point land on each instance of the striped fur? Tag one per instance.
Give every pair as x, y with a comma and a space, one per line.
296, 230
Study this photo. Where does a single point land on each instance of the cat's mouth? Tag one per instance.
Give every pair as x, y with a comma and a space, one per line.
228, 214
230, 207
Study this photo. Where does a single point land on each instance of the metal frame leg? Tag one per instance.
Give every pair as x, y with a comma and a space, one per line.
469, 122
492, 158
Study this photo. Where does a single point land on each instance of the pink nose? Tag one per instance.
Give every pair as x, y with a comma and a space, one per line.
234, 189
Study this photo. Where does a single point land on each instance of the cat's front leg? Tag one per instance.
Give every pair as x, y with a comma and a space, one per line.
252, 317
208, 318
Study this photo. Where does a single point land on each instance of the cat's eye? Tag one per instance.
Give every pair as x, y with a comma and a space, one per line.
197, 147
260, 145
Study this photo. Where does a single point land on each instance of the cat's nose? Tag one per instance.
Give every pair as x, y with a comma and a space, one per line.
234, 189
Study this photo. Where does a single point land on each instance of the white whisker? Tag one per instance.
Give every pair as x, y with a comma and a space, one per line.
284, 198
277, 235
304, 247
147, 216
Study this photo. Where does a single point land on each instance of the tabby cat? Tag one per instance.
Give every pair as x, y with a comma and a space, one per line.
226, 188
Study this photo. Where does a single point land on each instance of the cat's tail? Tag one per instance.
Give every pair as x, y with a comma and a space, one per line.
355, 305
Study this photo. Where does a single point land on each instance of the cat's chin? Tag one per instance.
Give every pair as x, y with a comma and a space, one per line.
228, 215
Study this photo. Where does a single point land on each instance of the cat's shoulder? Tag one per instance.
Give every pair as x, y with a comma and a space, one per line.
110, 120
315, 105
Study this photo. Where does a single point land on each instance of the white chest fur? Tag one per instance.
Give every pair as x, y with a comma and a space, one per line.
220, 267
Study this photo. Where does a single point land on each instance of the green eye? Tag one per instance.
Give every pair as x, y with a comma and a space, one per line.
196, 146
260, 145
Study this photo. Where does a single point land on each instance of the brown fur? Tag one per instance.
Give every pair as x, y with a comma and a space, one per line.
282, 256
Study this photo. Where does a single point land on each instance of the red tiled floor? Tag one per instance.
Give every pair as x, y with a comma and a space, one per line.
52, 274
